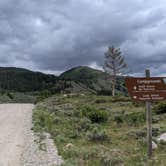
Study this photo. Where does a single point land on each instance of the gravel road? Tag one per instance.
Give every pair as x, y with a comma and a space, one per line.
17, 139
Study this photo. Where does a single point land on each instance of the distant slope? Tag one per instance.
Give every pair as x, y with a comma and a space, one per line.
23, 80
92, 79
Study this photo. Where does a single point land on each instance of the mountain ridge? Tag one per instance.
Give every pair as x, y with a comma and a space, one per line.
80, 79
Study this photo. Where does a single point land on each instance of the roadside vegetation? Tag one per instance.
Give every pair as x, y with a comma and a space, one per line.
91, 130
17, 97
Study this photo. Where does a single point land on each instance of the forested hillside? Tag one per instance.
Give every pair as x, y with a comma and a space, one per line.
23, 80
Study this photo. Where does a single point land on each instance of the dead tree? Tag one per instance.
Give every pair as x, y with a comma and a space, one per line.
114, 65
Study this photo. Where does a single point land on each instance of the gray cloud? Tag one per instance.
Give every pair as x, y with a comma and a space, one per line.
55, 35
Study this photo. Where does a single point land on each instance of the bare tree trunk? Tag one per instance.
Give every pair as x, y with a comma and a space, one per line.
114, 79
113, 89
113, 86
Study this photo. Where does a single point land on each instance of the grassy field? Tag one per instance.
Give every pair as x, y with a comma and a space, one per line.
99, 131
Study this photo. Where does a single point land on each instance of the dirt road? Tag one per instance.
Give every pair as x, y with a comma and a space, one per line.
13, 125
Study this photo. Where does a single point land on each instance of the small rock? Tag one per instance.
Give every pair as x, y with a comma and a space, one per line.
69, 146
154, 145
162, 137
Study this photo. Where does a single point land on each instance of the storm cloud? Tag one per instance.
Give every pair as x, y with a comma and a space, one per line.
55, 35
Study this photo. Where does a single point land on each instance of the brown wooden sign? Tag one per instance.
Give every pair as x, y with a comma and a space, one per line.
146, 89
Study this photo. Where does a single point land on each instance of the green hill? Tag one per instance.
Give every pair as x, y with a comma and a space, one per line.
82, 73
92, 79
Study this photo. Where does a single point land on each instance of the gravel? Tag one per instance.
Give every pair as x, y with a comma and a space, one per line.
33, 155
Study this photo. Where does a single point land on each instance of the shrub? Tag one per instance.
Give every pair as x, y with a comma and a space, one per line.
10, 95
160, 108
98, 101
137, 134
67, 113
135, 118
73, 134
96, 116
61, 139
121, 99
111, 158
69, 162
131, 119
83, 125
43, 95
155, 131
138, 104
118, 119
57, 120
77, 155
162, 142
104, 93
97, 134
42, 120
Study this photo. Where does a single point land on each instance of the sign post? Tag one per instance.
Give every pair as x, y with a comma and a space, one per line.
147, 89
149, 121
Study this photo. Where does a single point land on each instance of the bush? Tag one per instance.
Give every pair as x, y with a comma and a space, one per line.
135, 118
97, 134
137, 134
42, 120
77, 155
43, 95
84, 124
98, 101
96, 116
104, 93
111, 158
119, 119
160, 108
121, 99
138, 104
131, 119
10, 95
73, 134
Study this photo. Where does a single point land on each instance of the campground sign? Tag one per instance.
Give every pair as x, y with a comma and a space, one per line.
146, 89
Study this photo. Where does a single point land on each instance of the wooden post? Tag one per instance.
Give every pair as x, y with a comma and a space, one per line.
149, 122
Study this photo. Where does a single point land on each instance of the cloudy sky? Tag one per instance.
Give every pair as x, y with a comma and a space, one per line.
55, 35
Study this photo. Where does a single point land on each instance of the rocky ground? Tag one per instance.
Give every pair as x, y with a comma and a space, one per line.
38, 153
